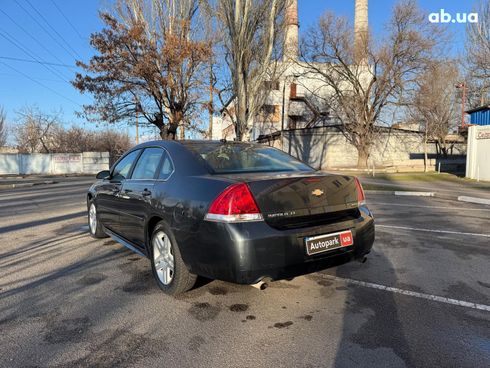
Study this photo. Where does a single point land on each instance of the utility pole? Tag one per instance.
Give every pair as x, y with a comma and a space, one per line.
136, 110
210, 106
463, 101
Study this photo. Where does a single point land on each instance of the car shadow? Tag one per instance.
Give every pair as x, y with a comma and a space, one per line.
372, 331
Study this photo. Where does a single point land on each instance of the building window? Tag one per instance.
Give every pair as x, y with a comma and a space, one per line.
292, 91
270, 114
271, 85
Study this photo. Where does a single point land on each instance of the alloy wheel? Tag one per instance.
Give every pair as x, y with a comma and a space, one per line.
92, 215
163, 257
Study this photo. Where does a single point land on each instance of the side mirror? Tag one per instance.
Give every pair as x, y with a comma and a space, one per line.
104, 174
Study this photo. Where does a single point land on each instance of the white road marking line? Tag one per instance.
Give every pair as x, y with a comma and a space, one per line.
474, 200
440, 299
432, 230
414, 194
437, 207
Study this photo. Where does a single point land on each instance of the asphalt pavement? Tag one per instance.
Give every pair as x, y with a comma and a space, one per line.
421, 300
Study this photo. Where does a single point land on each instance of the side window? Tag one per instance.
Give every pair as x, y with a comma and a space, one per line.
121, 171
167, 167
147, 164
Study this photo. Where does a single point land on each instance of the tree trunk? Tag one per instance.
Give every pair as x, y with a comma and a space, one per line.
362, 157
425, 151
168, 132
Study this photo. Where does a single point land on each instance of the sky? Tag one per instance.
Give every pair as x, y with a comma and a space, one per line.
56, 32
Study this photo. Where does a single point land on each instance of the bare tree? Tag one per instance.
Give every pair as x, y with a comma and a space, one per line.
478, 53
150, 61
3, 127
361, 92
250, 29
34, 131
434, 104
39, 132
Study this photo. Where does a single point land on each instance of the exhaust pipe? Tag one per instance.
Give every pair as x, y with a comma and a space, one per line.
261, 285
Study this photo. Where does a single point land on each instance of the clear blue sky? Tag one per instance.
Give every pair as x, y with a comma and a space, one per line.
57, 31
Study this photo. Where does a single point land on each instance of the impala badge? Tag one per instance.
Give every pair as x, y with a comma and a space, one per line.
317, 192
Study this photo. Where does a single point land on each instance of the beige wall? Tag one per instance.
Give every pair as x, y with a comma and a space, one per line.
323, 148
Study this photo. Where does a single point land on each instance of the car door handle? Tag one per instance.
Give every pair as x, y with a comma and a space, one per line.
128, 190
146, 193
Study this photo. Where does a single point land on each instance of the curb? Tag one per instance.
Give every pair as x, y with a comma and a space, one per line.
474, 200
25, 185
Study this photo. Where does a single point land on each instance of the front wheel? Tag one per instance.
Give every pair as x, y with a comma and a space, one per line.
95, 227
169, 270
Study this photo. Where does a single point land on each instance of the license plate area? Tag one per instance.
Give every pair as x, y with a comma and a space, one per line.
327, 242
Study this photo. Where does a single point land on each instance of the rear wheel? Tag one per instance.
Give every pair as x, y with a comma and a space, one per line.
169, 270
95, 227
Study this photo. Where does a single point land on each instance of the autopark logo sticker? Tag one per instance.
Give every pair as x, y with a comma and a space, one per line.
346, 239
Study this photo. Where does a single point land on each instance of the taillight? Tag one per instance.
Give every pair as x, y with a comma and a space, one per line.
361, 198
235, 204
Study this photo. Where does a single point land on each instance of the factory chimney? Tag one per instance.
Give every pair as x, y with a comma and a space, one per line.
291, 44
361, 31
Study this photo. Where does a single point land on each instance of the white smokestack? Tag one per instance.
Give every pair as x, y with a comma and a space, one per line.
291, 37
361, 30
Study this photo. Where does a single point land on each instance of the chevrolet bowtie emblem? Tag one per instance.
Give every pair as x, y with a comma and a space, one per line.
317, 192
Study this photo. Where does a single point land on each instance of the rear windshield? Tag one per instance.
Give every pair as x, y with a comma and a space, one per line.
246, 158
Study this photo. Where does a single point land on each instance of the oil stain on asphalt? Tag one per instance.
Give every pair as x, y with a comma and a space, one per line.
204, 311
91, 279
67, 330
238, 307
195, 343
218, 290
283, 324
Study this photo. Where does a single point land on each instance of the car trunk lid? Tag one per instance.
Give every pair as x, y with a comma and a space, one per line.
303, 199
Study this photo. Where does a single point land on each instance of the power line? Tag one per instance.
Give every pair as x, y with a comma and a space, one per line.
37, 61
67, 20
38, 79
53, 29
10, 39
31, 36
41, 84
45, 30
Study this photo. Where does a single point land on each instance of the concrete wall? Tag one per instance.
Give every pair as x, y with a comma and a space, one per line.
478, 158
323, 148
53, 163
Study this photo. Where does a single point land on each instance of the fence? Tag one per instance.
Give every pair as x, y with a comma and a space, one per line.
478, 157
53, 163
399, 150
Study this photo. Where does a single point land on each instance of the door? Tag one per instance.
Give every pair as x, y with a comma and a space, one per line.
136, 196
107, 201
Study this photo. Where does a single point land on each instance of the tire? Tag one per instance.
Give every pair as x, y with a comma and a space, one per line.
94, 226
169, 270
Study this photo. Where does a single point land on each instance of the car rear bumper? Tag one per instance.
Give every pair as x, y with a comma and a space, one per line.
246, 253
